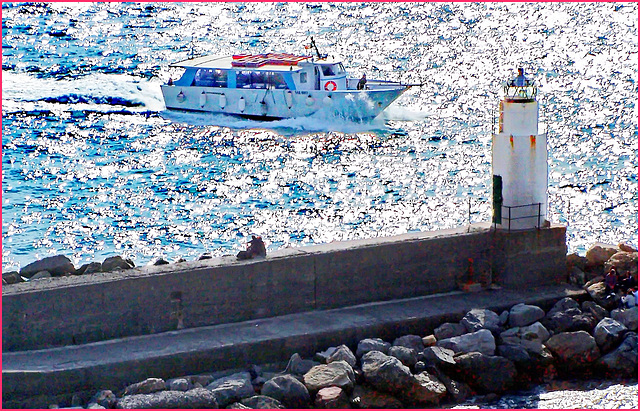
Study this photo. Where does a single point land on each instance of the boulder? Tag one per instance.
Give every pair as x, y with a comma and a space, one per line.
288, 390
337, 373
116, 263
89, 268
434, 390
530, 337
11, 277
332, 397
429, 340
622, 361
628, 317
238, 406
103, 398
479, 341
407, 356
628, 248
575, 260
624, 262
179, 384
197, 398
40, 275
438, 356
608, 334
322, 357
388, 374
299, 366
574, 350
343, 353
484, 373
594, 309
146, 387
372, 344
365, 397
57, 266
568, 317
448, 330
521, 315
478, 319
232, 388
599, 253
262, 402
458, 390
409, 341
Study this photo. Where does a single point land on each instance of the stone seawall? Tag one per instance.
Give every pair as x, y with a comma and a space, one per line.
95, 307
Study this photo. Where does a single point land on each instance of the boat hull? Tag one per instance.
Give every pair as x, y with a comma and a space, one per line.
282, 103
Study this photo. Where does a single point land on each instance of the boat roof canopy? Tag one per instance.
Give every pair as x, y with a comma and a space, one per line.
255, 62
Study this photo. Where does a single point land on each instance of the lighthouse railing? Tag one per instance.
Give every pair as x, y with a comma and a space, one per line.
521, 212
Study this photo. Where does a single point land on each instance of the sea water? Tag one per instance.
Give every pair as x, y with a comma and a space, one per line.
93, 165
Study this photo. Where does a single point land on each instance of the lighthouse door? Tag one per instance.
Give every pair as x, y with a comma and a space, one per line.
497, 199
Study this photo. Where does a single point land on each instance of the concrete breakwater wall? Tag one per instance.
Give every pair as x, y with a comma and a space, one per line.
147, 300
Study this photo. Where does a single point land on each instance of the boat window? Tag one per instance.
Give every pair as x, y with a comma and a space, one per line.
260, 80
210, 78
303, 77
328, 71
341, 69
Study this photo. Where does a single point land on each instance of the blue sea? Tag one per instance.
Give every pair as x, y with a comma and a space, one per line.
93, 165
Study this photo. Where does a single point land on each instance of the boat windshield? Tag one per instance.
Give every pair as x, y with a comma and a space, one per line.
210, 78
332, 69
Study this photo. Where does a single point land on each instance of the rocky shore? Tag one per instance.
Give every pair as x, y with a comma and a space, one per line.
486, 354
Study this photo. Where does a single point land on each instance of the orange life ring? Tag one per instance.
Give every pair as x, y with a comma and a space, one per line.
330, 86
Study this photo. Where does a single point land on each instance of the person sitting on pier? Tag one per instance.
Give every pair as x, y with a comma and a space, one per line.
521, 80
255, 248
610, 280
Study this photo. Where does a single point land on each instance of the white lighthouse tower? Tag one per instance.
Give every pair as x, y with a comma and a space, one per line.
519, 160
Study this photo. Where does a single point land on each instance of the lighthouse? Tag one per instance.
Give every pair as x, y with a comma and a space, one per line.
519, 160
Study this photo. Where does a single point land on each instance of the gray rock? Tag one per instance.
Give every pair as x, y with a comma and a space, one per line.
608, 334
232, 388
104, 398
332, 398
478, 319
628, 317
299, 366
599, 253
577, 276
602, 297
622, 361
407, 356
530, 337
40, 275
458, 390
574, 349
624, 262
89, 268
517, 354
11, 277
388, 374
262, 402
288, 390
372, 344
145, 387
522, 315
343, 353
433, 389
438, 356
480, 341
238, 406
448, 330
338, 373
575, 260
504, 318
323, 356
179, 384
161, 261
571, 318
58, 266
116, 263
366, 397
485, 373
564, 305
198, 398
409, 341
595, 310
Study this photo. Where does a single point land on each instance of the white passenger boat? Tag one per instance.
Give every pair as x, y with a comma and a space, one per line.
275, 86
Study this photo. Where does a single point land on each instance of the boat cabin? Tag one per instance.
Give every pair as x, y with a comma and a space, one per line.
263, 71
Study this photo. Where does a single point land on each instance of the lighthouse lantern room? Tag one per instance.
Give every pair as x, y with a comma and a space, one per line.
519, 160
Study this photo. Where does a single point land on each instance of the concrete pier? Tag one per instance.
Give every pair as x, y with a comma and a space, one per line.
84, 333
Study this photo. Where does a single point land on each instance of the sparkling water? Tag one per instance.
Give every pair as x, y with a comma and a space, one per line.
93, 165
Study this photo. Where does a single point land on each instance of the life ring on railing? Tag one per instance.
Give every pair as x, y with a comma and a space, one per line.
330, 86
